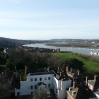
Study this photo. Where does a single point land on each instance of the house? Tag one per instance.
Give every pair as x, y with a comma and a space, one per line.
80, 92
94, 85
51, 80
75, 74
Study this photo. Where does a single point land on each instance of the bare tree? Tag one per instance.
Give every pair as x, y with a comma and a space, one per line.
40, 95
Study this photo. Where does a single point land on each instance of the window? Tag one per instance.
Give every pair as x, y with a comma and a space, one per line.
35, 79
48, 85
45, 78
49, 78
31, 87
56, 90
31, 79
40, 79
18, 93
35, 86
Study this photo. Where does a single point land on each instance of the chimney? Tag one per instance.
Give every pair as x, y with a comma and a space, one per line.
95, 77
58, 68
67, 69
25, 69
78, 72
60, 73
86, 81
74, 85
15, 68
48, 69
71, 69
70, 88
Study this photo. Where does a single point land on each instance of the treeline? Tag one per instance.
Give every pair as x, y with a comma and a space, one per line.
19, 59
13, 43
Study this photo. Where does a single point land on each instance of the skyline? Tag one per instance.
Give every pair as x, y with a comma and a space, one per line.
49, 19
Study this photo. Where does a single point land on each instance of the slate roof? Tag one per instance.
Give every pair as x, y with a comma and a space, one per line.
39, 73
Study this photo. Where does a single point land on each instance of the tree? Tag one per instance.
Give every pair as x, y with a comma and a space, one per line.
5, 85
40, 95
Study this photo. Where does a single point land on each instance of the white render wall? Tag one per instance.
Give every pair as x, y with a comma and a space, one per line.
25, 86
58, 86
65, 84
61, 94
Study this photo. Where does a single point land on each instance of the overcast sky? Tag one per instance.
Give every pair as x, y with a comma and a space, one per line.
49, 19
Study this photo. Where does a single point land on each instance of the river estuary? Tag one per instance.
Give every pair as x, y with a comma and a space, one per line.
72, 49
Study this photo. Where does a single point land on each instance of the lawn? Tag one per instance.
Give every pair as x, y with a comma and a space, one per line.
91, 63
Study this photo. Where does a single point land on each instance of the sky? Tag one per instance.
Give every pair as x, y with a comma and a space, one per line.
49, 19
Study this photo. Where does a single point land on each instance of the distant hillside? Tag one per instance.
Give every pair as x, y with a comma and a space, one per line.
75, 40
12, 43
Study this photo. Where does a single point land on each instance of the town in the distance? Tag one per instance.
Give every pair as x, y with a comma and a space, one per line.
49, 69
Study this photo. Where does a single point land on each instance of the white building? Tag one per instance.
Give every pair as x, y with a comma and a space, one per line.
34, 80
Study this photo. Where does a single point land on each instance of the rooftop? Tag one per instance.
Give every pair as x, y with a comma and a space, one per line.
81, 92
39, 73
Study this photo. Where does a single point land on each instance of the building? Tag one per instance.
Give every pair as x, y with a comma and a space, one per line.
51, 80
94, 85
80, 91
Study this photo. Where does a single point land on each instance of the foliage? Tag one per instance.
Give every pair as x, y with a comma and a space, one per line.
90, 63
33, 61
39, 95
5, 84
23, 78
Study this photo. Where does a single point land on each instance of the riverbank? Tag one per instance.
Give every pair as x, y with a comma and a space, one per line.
77, 45
87, 51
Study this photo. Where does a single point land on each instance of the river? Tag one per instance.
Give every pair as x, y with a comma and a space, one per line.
72, 49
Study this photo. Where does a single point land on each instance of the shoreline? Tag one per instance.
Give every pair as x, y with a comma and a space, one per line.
73, 46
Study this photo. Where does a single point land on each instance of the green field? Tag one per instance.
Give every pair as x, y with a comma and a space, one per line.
91, 63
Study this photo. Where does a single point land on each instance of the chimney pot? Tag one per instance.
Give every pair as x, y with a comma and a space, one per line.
60, 73
67, 69
71, 70
78, 72
86, 81
74, 85
95, 77
58, 68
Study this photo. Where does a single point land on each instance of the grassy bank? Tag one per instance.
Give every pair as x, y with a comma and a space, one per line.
91, 63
